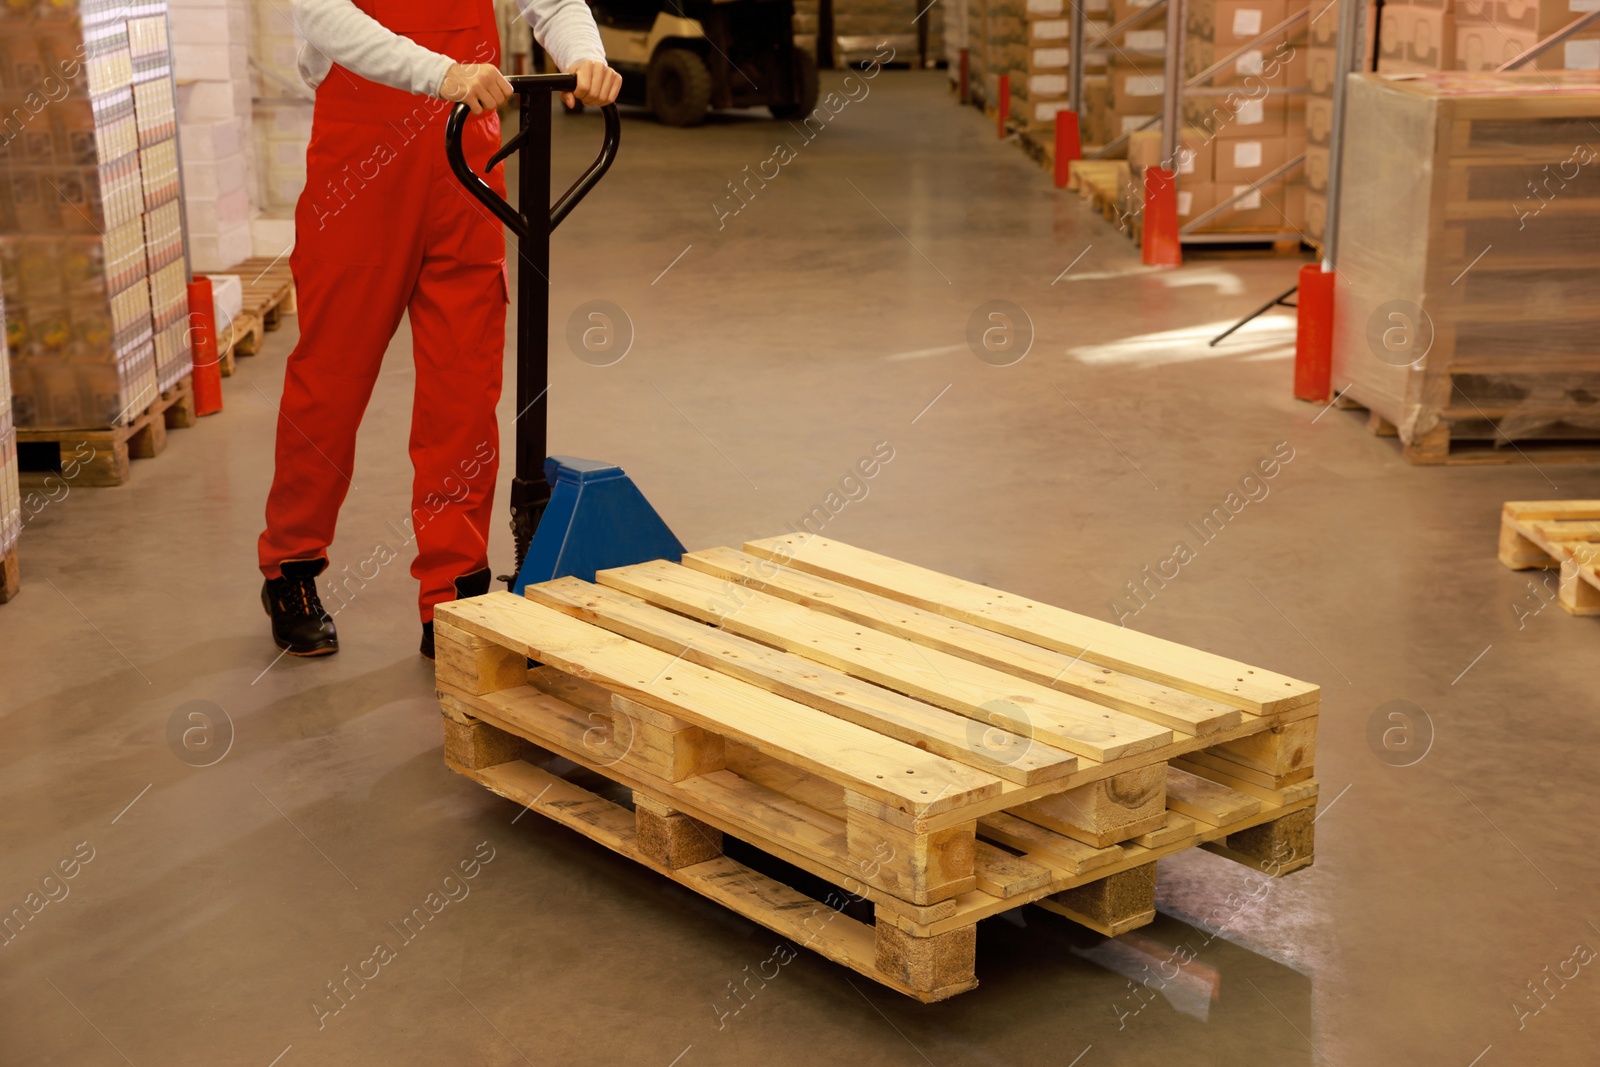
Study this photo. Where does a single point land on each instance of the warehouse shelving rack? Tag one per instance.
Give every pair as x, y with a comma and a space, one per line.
1176, 87
1353, 18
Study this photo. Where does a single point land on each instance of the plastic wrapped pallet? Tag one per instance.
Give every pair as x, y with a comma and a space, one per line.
1465, 309
85, 124
862, 28
10, 494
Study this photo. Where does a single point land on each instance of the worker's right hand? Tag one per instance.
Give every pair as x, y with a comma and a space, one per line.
480, 86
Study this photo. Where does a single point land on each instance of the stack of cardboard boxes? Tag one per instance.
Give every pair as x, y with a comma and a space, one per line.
1005, 47
91, 251
805, 25
1042, 83
283, 105
210, 43
1322, 65
1424, 35
862, 28
1136, 71
1253, 120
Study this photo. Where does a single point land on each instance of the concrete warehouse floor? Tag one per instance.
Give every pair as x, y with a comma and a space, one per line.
826, 316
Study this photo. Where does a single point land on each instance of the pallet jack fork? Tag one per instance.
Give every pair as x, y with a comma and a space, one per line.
568, 516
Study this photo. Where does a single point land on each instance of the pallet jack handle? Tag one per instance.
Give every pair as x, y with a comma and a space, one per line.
569, 516
527, 85
531, 486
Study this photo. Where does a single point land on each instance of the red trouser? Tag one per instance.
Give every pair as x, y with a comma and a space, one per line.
384, 228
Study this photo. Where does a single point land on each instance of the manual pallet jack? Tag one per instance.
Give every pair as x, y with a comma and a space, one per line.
569, 516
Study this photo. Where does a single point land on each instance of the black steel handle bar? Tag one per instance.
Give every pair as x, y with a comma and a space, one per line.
519, 222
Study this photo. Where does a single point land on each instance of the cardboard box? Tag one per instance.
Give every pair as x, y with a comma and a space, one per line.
1316, 168
1236, 21
1121, 9
1316, 216
1294, 135
1145, 41
1237, 116
1394, 30
1319, 121
1280, 66
1194, 198
1195, 155
1247, 159
1044, 86
213, 178
1041, 31
1484, 46
1324, 26
1053, 58
1321, 65
1431, 39
1136, 90
1041, 113
1277, 208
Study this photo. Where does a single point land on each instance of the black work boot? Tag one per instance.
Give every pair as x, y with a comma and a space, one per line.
300, 626
468, 585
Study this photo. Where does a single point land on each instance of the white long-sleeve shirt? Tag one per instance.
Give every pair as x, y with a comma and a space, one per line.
336, 31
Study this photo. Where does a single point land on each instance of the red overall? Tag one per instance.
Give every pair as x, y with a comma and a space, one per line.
383, 228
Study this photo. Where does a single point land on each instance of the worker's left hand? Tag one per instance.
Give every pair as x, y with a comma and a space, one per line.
597, 83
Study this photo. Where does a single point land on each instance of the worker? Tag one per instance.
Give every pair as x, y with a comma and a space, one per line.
383, 228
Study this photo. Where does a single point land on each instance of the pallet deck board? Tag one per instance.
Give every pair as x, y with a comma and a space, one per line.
1011, 756
898, 773
1153, 658
1161, 704
988, 695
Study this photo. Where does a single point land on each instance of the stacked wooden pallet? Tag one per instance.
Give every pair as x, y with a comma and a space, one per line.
941, 750
1554, 534
268, 295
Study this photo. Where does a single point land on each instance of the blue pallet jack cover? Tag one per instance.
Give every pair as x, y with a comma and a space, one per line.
596, 519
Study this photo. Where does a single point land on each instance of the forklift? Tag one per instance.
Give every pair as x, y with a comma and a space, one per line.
681, 58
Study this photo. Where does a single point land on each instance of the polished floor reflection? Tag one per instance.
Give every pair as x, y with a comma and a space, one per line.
225, 914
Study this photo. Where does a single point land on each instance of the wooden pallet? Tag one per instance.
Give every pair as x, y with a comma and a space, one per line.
10, 576
268, 295
931, 746
1561, 534
1443, 445
101, 456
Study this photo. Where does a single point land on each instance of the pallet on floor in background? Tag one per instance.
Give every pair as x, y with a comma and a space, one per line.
10, 576
1444, 445
1561, 534
268, 294
100, 456
939, 749
1100, 182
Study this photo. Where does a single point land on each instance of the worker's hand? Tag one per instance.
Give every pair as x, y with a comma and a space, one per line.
480, 86
597, 83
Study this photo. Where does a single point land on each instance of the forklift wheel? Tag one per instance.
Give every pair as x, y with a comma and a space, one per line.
806, 76
678, 86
